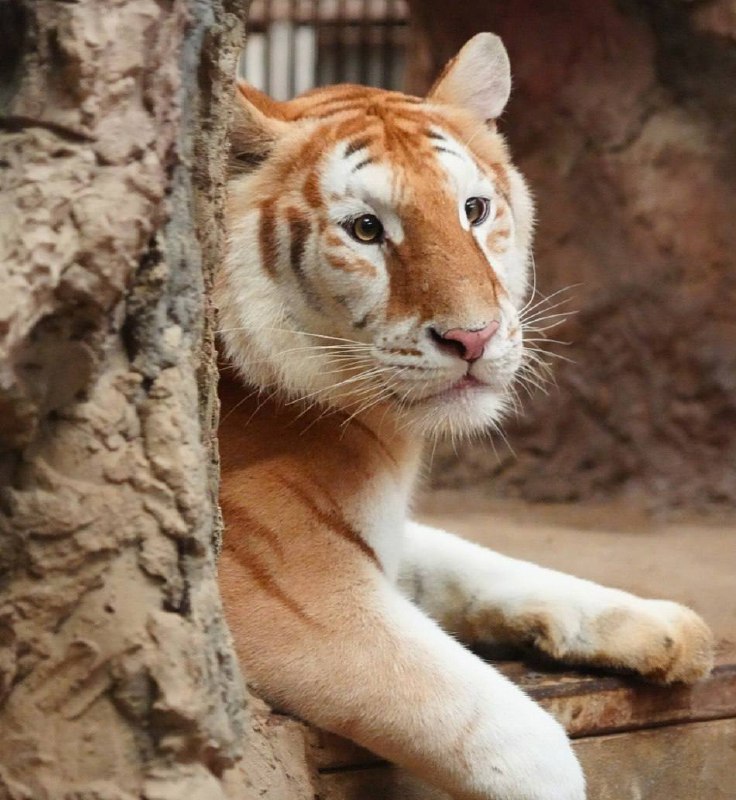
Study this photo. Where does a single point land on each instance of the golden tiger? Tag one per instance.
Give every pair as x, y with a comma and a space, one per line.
373, 296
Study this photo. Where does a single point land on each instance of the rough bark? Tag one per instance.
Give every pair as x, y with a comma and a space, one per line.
622, 117
117, 678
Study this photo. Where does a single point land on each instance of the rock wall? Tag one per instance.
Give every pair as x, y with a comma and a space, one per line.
622, 118
117, 679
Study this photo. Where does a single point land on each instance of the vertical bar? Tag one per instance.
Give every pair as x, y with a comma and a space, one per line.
365, 27
316, 8
399, 39
306, 58
279, 38
253, 61
291, 51
386, 36
402, 48
340, 30
322, 46
266, 47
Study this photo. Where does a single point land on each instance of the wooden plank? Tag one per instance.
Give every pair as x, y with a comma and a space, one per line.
587, 705
694, 761
384, 783
590, 705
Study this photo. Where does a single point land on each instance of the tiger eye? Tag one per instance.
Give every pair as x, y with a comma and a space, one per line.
367, 229
476, 209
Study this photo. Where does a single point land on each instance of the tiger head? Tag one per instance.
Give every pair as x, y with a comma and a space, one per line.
379, 247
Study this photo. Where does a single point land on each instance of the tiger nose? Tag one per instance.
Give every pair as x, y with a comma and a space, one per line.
469, 344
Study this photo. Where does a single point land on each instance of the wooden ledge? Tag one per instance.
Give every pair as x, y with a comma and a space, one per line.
635, 740
593, 705
586, 704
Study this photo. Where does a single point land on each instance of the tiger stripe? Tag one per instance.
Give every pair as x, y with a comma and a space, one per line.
267, 239
439, 149
373, 436
355, 146
364, 163
333, 519
351, 265
262, 532
268, 583
299, 229
311, 189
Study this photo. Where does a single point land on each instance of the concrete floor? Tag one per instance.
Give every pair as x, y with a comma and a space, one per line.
688, 559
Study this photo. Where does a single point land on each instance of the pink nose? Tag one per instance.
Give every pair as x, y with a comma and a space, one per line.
468, 344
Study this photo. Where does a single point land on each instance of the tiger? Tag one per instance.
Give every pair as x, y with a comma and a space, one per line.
372, 298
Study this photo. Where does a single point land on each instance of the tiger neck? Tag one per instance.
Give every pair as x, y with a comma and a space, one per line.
366, 462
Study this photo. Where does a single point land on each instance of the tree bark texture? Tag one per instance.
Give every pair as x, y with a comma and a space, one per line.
117, 678
623, 119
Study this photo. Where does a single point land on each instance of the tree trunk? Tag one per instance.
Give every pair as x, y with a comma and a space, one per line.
623, 119
117, 678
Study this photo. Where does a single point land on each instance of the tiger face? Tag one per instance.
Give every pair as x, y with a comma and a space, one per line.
379, 247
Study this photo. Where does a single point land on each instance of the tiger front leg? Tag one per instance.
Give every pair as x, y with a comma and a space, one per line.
484, 597
352, 655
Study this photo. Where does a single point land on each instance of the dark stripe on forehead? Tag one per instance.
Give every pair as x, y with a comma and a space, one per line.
403, 98
439, 149
338, 108
267, 239
337, 96
364, 163
358, 144
435, 135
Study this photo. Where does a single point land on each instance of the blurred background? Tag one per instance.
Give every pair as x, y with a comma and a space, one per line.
623, 119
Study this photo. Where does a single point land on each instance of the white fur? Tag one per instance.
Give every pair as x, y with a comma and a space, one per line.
483, 735
480, 79
465, 586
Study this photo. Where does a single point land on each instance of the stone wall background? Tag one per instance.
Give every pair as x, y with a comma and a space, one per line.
622, 118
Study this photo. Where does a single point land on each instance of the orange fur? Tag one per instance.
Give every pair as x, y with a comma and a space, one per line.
351, 352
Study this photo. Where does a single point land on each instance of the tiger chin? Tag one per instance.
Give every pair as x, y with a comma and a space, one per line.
372, 294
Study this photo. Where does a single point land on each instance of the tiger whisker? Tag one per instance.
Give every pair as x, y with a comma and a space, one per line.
528, 307
547, 339
560, 316
541, 308
551, 354
326, 389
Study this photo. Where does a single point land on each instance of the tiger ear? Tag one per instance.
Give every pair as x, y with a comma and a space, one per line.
477, 79
257, 124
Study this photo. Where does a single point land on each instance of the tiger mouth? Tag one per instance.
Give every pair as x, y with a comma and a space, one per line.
467, 384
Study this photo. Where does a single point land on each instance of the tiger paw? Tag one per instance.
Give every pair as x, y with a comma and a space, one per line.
663, 641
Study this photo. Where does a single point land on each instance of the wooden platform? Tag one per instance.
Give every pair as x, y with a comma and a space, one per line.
635, 741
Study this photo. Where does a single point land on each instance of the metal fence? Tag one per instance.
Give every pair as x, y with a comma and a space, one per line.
295, 45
